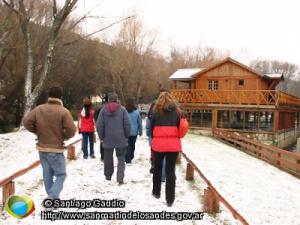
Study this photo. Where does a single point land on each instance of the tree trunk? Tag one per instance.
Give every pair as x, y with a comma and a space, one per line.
28, 101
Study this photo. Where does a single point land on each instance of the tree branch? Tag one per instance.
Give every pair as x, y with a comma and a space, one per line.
97, 31
11, 5
54, 9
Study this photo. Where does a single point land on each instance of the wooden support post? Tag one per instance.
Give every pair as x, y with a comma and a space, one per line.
174, 84
71, 152
214, 118
211, 203
278, 159
276, 121
189, 172
178, 160
7, 190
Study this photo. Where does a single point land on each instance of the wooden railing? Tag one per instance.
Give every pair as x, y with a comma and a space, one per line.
282, 159
240, 97
8, 184
211, 196
286, 99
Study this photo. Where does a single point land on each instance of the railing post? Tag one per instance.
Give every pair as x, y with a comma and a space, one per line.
71, 152
8, 189
178, 160
211, 202
189, 172
278, 159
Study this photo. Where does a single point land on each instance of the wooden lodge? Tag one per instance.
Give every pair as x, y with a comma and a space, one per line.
230, 95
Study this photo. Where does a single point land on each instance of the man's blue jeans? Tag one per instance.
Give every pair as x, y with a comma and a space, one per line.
53, 165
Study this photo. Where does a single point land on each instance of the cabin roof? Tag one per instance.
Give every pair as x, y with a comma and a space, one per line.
185, 74
274, 76
192, 73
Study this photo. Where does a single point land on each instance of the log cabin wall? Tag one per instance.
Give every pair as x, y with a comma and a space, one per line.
231, 77
287, 120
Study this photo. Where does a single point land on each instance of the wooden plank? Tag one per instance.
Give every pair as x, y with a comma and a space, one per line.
26, 169
8, 190
254, 97
19, 173
71, 152
189, 172
287, 161
220, 198
211, 203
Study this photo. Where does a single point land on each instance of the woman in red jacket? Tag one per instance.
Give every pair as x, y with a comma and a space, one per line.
86, 127
165, 143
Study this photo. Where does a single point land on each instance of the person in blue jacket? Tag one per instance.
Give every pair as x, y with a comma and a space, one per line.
136, 127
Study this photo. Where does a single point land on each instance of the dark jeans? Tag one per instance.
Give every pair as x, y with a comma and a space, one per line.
101, 151
170, 174
130, 149
109, 163
87, 137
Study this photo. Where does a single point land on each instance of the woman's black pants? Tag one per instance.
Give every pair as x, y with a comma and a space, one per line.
170, 174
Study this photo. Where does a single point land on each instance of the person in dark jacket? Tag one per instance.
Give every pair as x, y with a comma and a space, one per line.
136, 128
86, 126
96, 114
113, 127
165, 143
148, 126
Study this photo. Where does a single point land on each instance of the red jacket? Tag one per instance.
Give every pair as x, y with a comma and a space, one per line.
87, 124
166, 139
165, 133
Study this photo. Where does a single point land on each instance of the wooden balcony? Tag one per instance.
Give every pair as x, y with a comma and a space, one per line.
236, 97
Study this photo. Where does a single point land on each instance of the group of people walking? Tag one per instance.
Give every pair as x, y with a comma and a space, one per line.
117, 127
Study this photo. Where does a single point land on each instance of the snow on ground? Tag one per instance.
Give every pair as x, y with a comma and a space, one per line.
17, 151
262, 193
85, 180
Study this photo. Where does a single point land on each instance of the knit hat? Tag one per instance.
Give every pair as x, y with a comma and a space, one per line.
112, 97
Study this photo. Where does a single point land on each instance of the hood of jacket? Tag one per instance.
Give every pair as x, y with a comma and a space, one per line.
112, 107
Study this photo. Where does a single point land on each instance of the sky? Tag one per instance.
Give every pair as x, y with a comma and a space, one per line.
248, 29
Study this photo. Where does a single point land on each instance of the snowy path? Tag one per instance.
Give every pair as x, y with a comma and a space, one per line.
262, 193
86, 181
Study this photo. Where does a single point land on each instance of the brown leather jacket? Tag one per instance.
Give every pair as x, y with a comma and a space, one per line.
52, 123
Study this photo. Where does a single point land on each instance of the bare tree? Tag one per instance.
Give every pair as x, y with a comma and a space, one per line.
134, 46
6, 32
290, 72
23, 10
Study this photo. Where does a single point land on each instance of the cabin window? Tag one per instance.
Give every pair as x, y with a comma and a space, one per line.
213, 85
241, 82
202, 118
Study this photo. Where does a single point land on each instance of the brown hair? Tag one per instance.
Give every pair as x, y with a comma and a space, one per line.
130, 105
164, 103
87, 101
87, 105
55, 92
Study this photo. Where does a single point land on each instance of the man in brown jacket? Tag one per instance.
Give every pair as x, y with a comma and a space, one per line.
52, 123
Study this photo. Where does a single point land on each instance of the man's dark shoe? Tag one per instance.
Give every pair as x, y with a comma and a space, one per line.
85, 157
169, 204
121, 183
92, 156
151, 170
108, 178
155, 196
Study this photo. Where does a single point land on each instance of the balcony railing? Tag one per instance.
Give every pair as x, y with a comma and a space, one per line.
240, 97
